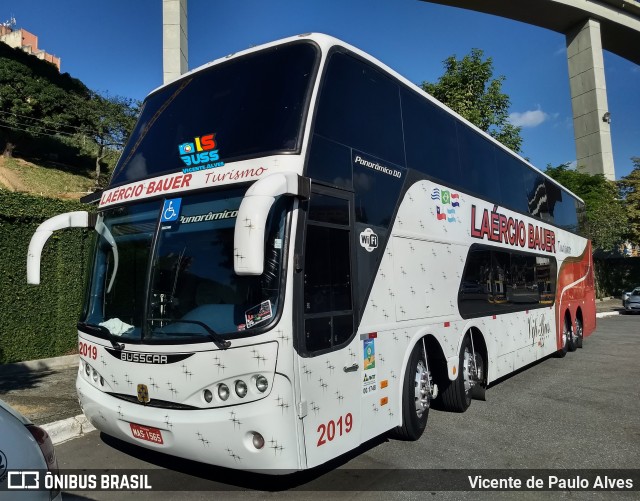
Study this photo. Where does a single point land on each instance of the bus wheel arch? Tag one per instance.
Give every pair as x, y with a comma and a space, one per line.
579, 327
566, 335
471, 380
426, 358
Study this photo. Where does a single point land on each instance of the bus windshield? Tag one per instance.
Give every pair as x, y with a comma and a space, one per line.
247, 107
187, 263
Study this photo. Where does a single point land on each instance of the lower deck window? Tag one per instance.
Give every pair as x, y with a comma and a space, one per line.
498, 281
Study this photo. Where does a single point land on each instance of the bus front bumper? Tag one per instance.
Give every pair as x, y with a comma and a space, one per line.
221, 436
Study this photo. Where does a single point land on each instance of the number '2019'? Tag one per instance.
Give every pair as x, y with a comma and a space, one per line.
88, 350
328, 431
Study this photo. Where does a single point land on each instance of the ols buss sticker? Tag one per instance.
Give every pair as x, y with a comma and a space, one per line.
201, 154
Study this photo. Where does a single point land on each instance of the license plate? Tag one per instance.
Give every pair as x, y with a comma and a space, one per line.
146, 433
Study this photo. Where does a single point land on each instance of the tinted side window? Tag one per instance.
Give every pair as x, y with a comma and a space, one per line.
430, 138
500, 281
328, 310
510, 177
537, 195
477, 164
327, 278
473, 297
360, 107
330, 162
562, 207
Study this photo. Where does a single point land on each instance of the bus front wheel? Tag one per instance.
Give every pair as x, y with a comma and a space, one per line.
416, 396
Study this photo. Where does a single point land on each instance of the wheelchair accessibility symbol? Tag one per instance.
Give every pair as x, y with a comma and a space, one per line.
171, 210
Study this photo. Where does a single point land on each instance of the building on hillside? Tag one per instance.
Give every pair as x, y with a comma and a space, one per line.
28, 42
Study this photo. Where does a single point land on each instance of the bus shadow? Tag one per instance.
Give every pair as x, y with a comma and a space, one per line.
219, 478
22, 379
520, 370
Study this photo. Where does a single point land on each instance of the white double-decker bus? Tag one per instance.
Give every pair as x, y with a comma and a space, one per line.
300, 250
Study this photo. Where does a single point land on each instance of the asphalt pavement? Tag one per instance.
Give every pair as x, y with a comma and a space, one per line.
44, 390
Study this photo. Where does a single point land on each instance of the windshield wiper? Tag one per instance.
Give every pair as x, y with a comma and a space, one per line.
100, 330
217, 339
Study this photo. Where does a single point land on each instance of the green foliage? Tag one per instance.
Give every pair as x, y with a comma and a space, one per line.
616, 275
630, 192
39, 106
607, 220
39, 321
35, 99
468, 87
112, 119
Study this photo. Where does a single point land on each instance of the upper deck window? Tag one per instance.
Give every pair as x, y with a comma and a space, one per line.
251, 106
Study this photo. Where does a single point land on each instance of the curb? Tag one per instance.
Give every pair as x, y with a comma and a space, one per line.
607, 314
67, 429
40, 365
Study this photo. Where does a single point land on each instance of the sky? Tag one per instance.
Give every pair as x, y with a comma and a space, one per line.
115, 47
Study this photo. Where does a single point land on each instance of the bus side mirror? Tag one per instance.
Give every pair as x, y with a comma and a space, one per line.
79, 219
248, 239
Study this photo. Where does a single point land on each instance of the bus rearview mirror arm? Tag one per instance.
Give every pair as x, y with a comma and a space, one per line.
248, 239
78, 219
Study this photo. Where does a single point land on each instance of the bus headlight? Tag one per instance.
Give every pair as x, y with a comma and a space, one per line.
87, 369
95, 375
262, 384
208, 396
223, 391
241, 388
257, 440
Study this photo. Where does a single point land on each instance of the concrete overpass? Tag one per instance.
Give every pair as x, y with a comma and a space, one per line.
589, 26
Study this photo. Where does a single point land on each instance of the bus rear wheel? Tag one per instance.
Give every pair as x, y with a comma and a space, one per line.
416, 396
566, 334
456, 397
579, 332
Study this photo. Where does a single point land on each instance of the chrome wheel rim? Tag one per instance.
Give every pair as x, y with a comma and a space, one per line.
565, 334
421, 389
466, 370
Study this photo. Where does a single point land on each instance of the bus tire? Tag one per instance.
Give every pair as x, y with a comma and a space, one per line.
579, 332
566, 336
456, 397
416, 399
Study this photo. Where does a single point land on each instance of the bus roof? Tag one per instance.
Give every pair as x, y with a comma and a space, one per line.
326, 42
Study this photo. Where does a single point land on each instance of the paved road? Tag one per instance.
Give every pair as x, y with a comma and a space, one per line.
578, 412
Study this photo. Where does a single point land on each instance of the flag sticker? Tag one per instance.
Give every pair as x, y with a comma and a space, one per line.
446, 204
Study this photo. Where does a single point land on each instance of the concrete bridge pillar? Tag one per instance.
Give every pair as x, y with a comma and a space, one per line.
175, 54
591, 119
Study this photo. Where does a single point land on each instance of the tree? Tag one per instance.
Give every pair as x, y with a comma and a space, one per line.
111, 120
35, 99
606, 217
468, 87
630, 192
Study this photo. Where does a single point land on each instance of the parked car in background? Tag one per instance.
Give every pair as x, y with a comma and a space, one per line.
626, 295
24, 446
632, 302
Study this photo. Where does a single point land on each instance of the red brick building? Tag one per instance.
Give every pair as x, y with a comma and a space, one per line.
26, 41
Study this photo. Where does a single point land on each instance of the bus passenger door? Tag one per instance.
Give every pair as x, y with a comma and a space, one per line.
329, 364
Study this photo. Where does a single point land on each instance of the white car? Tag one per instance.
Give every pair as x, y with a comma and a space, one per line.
632, 302
626, 295
24, 447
